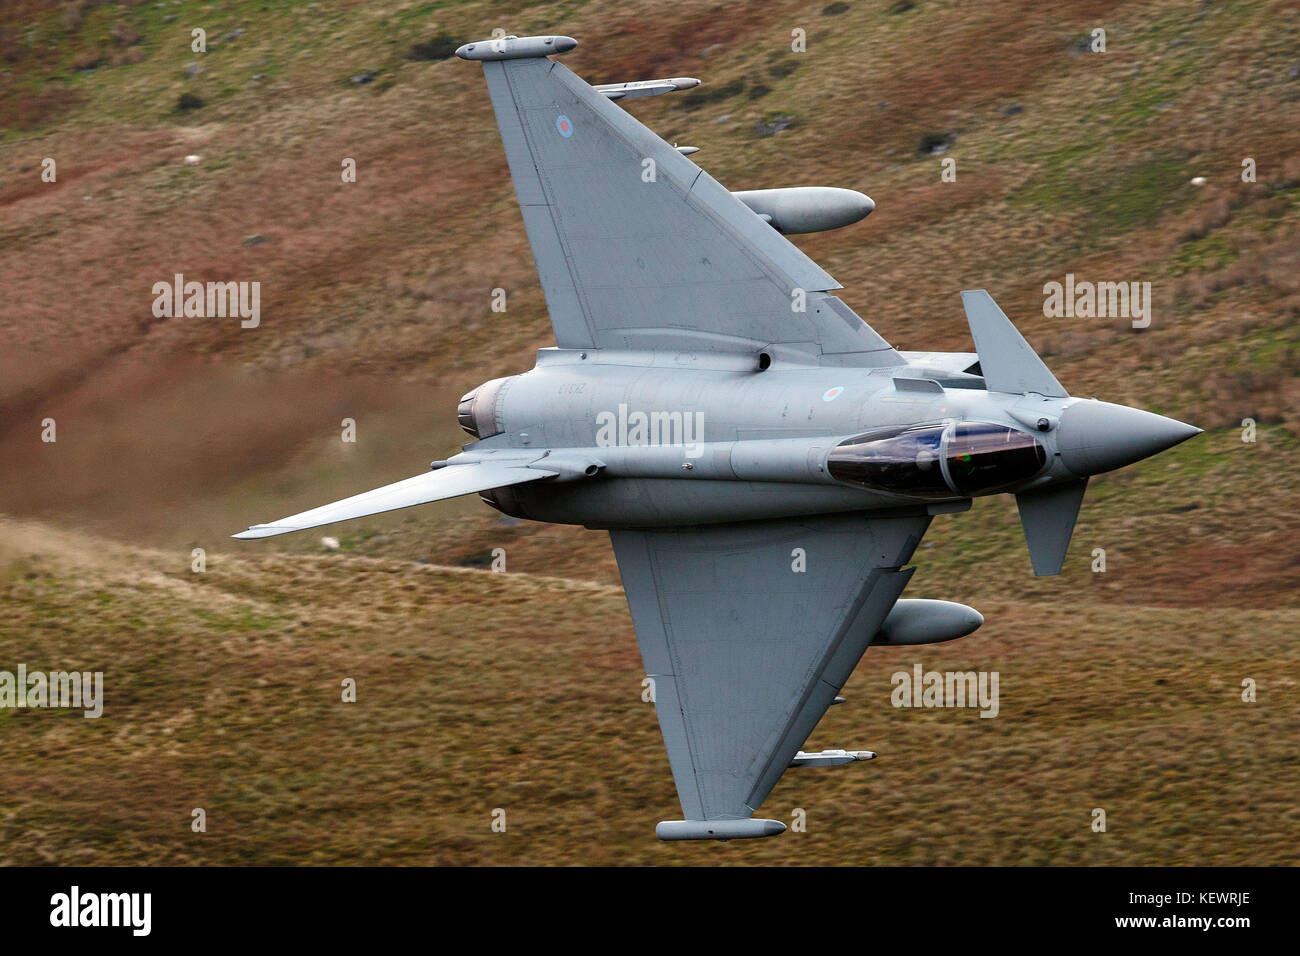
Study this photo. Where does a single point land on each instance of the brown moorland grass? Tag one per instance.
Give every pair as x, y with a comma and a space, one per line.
223, 691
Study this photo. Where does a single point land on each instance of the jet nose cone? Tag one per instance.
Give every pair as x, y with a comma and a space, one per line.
1095, 437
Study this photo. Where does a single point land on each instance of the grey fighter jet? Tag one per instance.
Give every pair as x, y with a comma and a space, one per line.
764, 462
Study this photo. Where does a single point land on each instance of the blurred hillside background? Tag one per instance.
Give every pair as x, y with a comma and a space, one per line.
477, 690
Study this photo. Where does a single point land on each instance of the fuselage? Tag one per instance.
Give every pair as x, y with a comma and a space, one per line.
659, 439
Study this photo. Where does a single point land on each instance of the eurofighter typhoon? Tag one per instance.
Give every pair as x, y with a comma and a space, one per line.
764, 462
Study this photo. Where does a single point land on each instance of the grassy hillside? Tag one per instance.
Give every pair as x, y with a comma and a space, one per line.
521, 691
223, 692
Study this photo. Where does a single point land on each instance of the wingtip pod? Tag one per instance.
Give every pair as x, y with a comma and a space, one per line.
718, 829
515, 48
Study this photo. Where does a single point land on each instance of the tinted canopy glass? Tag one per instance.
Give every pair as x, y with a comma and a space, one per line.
982, 457
905, 462
939, 461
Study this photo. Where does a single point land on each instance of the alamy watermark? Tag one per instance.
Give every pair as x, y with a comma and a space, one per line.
1098, 300
947, 689
76, 690
625, 428
213, 300
129, 910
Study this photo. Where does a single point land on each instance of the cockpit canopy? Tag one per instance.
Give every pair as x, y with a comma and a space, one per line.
955, 459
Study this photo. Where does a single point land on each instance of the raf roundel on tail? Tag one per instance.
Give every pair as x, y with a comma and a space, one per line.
670, 298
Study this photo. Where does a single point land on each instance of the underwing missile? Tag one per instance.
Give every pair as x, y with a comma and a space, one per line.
638, 88
831, 758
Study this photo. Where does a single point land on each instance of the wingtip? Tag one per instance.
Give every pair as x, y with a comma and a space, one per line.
513, 47
258, 531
